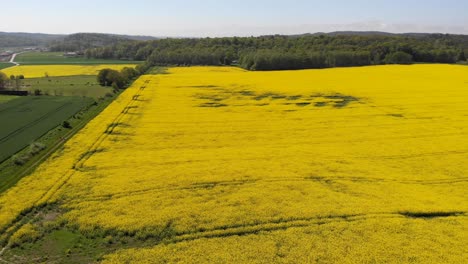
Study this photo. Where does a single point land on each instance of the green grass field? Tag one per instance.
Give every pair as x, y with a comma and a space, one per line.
84, 86
6, 98
26, 119
66, 246
57, 58
4, 65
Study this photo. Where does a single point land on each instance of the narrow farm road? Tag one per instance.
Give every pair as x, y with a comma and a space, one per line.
13, 57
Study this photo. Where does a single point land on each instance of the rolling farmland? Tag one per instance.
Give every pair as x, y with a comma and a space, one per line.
38, 71
57, 58
27, 118
218, 164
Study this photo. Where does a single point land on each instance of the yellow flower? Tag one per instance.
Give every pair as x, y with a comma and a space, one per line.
346, 165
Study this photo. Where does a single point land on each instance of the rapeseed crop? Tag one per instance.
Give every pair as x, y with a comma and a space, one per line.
217, 164
38, 71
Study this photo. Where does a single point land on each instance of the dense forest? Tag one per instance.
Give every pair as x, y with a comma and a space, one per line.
73, 42
293, 52
83, 41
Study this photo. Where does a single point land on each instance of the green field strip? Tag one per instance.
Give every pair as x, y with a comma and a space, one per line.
4, 65
57, 58
33, 123
20, 130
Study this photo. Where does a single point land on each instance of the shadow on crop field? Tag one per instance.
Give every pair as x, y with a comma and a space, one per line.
213, 104
396, 115
128, 108
89, 153
429, 215
112, 126
320, 104
199, 86
216, 96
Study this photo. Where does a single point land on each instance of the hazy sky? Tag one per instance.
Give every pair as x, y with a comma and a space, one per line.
232, 17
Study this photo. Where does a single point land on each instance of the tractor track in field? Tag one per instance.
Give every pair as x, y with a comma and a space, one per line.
32, 212
284, 224
267, 180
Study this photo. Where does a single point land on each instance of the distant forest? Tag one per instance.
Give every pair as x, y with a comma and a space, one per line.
293, 52
11, 40
74, 42
82, 41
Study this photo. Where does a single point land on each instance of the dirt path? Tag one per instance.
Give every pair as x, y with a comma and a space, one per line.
13, 57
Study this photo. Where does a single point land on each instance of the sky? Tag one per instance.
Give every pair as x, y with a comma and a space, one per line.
214, 18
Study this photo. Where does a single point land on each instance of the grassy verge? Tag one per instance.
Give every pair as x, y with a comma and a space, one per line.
6, 98
47, 238
66, 86
59, 246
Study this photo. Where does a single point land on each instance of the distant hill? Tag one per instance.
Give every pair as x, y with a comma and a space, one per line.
374, 33
83, 41
451, 39
347, 33
73, 42
138, 37
18, 39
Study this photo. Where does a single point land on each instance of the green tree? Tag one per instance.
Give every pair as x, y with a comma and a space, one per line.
102, 77
461, 56
129, 73
399, 57
17, 81
3, 80
109, 77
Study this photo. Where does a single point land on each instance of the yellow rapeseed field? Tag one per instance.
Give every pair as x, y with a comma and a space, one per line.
221, 165
37, 71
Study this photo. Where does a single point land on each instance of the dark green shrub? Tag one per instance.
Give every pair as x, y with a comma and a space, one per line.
66, 124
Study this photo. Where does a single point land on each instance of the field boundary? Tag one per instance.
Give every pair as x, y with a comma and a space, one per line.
30, 212
42, 156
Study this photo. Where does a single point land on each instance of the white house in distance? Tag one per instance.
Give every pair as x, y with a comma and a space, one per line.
70, 54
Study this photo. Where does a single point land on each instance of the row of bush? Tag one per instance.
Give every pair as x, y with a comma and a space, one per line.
13, 80
120, 79
34, 149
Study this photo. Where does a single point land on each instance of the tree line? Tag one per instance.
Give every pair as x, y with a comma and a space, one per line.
120, 79
14, 81
292, 52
